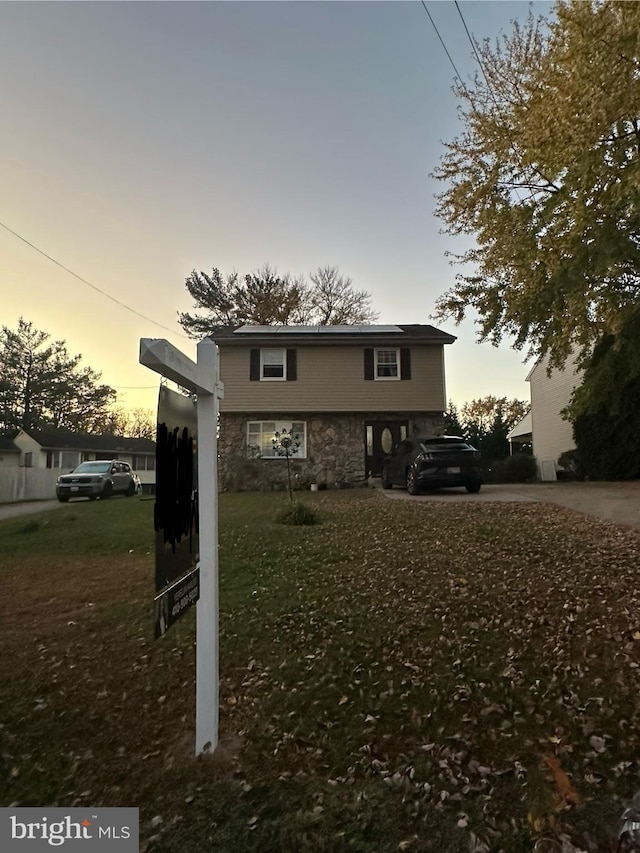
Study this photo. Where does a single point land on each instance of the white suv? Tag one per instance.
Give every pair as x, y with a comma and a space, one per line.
99, 479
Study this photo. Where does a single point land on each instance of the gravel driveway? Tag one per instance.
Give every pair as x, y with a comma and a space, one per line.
616, 502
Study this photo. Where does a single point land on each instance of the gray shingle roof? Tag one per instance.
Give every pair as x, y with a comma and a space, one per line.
7, 445
58, 439
401, 334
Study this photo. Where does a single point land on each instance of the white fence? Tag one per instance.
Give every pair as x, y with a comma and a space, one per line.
27, 484
39, 484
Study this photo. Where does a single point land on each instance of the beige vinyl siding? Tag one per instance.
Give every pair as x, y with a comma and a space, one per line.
552, 435
331, 379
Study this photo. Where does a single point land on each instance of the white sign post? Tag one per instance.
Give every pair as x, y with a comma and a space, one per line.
201, 378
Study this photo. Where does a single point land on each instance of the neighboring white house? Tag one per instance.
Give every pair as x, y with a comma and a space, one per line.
520, 434
550, 394
32, 460
9, 453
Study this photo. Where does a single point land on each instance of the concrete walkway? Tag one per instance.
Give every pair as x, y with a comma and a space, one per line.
26, 508
616, 502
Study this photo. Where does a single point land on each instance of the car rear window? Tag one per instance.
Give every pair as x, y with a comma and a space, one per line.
446, 444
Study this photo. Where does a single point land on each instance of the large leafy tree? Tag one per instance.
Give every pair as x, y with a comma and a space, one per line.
266, 298
42, 385
333, 300
545, 177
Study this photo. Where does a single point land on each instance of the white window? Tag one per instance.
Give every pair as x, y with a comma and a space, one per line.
273, 364
261, 435
387, 364
69, 459
144, 463
65, 459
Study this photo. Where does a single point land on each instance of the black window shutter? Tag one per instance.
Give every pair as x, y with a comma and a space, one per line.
254, 365
292, 364
405, 363
368, 363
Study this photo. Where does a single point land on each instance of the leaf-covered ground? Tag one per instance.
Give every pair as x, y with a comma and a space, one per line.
401, 677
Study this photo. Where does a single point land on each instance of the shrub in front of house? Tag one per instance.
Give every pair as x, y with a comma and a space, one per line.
493, 471
568, 466
521, 468
298, 513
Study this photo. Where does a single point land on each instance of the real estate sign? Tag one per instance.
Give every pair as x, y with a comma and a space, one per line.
201, 378
176, 509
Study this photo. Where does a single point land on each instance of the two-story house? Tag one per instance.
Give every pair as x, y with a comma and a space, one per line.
349, 393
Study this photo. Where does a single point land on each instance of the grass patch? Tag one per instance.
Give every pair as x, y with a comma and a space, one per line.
81, 528
31, 526
396, 678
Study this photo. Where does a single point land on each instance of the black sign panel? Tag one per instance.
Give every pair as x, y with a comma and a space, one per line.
176, 506
174, 601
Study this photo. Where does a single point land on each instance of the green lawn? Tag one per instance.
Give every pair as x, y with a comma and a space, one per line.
400, 677
80, 528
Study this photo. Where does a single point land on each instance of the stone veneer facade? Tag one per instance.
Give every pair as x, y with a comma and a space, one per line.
335, 449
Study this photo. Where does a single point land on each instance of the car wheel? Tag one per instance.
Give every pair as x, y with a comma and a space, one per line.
107, 491
92, 497
473, 488
131, 490
412, 482
384, 479
62, 499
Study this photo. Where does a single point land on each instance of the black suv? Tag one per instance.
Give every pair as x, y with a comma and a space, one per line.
432, 462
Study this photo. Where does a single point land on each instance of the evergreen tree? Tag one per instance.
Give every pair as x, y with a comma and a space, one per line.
452, 425
487, 422
41, 385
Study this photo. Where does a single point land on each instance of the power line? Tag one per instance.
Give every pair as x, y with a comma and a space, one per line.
512, 145
505, 126
473, 45
468, 94
89, 284
472, 42
445, 48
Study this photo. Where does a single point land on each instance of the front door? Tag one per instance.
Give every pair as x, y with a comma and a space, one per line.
380, 439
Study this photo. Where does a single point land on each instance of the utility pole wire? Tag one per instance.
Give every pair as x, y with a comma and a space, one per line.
445, 48
89, 284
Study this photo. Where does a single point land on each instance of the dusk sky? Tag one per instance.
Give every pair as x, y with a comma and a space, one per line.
143, 140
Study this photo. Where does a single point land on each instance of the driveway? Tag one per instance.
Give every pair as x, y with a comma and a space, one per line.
26, 508
616, 502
